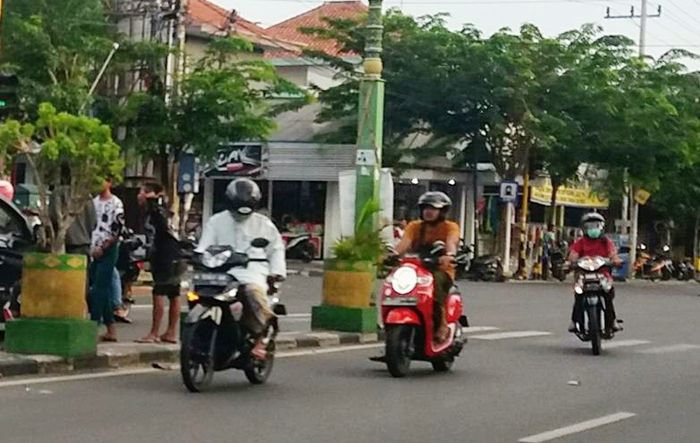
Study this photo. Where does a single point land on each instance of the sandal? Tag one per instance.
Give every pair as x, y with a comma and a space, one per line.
165, 339
108, 339
147, 340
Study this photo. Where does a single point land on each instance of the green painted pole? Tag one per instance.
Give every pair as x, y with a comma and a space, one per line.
370, 129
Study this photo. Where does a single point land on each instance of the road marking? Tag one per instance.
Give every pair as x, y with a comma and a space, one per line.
475, 329
329, 350
296, 316
669, 349
78, 377
576, 428
513, 334
624, 343
142, 371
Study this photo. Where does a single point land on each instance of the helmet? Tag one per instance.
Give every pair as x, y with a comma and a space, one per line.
593, 225
437, 200
243, 196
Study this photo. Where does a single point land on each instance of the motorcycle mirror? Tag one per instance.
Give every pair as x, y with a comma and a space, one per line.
260, 242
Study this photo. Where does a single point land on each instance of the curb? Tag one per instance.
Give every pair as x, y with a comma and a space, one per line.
121, 355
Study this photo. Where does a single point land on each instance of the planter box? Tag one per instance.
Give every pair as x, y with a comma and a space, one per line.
348, 284
54, 286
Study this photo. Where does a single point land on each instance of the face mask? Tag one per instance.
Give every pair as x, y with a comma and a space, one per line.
594, 232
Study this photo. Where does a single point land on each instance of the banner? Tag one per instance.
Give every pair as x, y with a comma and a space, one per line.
239, 160
575, 197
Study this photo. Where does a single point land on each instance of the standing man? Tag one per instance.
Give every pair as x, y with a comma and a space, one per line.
104, 251
167, 265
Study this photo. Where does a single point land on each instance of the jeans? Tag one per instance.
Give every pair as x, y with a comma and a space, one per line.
116, 290
101, 279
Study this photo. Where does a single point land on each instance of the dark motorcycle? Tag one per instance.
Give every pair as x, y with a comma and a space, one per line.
301, 248
213, 338
130, 263
558, 262
486, 268
591, 287
683, 270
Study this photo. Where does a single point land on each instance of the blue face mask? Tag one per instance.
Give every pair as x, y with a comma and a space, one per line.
594, 232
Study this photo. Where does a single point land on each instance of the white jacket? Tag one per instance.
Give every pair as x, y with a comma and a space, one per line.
223, 229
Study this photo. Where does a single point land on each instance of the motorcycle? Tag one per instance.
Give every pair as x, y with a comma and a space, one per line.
684, 270
558, 263
301, 248
407, 301
483, 268
213, 337
590, 287
653, 267
130, 263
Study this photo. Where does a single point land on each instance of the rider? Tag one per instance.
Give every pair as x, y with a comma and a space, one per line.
420, 236
237, 227
594, 243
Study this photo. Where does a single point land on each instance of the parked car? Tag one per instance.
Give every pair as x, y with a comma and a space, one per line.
16, 237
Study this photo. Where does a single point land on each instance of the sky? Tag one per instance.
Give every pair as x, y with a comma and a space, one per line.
677, 27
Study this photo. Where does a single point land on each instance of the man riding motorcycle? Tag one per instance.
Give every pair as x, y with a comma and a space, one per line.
594, 243
237, 227
420, 235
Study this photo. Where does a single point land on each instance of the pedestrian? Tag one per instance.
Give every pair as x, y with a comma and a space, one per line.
104, 251
167, 265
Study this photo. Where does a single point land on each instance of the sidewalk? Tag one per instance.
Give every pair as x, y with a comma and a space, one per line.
119, 355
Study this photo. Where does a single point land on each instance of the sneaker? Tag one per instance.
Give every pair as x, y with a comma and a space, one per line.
617, 326
572, 327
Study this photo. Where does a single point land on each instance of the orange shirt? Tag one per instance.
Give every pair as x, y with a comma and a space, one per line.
432, 233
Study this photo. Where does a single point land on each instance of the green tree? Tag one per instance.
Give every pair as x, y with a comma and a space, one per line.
69, 156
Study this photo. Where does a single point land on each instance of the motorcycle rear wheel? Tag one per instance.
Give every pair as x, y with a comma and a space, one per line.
398, 358
259, 372
197, 375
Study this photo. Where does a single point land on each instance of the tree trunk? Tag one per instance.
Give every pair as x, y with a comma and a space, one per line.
555, 189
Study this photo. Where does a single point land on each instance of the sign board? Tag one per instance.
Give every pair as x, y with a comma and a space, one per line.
366, 157
641, 196
573, 197
240, 159
508, 191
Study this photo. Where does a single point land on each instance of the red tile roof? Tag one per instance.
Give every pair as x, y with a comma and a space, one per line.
289, 29
203, 12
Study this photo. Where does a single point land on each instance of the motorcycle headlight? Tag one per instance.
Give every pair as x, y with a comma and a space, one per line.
404, 280
228, 295
216, 260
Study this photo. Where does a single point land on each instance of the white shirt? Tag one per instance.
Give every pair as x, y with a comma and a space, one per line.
110, 219
223, 229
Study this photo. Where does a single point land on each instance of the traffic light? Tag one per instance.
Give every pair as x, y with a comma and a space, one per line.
9, 99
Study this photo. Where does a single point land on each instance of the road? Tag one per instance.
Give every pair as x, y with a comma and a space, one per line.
541, 386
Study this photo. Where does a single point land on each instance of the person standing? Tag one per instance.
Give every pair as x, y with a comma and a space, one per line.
167, 265
104, 251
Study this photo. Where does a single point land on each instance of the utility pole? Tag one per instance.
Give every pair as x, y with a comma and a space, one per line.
634, 206
371, 113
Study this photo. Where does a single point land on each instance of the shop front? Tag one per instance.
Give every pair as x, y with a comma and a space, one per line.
299, 182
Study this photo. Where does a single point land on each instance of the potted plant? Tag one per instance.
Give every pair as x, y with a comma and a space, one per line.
349, 278
69, 157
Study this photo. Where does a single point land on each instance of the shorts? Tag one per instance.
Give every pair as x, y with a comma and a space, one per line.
166, 280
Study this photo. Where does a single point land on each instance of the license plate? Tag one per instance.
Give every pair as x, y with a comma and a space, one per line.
400, 301
211, 277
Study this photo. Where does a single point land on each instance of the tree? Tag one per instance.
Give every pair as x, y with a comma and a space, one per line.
69, 156
226, 97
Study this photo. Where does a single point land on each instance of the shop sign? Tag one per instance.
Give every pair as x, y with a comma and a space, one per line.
240, 159
575, 197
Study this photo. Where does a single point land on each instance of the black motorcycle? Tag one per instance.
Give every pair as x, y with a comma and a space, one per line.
213, 338
130, 263
16, 238
684, 270
301, 248
590, 287
483, 268
558, 263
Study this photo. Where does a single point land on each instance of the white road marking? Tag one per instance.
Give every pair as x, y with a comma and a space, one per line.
142, 371
513, 334
624, 343
668, 349
576, 428
296, 316
78, 377
475, 329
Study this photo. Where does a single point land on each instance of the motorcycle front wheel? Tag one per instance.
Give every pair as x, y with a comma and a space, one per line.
197, 356
398, 345
593, 313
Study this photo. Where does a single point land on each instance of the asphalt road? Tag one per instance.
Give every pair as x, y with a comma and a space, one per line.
541, 386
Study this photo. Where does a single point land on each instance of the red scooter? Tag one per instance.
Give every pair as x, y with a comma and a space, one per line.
407, 312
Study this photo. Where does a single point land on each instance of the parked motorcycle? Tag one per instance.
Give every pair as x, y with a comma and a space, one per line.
301, 248
407, 301
559, 265
130, 263
214, 339
590, 287
684, 270
483, 268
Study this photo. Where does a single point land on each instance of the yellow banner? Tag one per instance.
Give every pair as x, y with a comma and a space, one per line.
567, 196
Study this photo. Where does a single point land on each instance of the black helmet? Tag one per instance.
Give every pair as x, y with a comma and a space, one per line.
243, 196
437, 200
593, 225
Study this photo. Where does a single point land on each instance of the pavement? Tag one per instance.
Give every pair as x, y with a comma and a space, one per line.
521, 378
